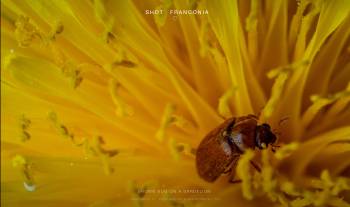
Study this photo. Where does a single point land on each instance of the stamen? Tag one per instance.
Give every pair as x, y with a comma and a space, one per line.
324, 194
25, 32
20, 162
161, 18
252, 19
243, 172
223, 107
107, 35
269, 183
69, 68
341, 184
338, 202
283, 200
319, 102
122, 108
167, 119
61, 129
108, 21
296, 21
97, 147
71, 71
289, 188
25, 136
76, 79
334, 185
287, 68
56, 29
286, 150
104, 154
209, 44
126, 63
183, 123
339, 105
138, 192
282, 74
276, 93
323, 191
251, 28
186, 149
176, 149
301, 202
121, 61
24, 124
306, 22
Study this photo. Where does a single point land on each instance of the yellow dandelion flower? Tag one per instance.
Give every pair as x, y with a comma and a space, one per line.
104, 102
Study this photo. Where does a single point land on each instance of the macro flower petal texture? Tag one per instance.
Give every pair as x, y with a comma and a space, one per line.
104, 102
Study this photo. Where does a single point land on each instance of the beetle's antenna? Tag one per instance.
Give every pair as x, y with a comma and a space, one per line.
277, 133
273, 147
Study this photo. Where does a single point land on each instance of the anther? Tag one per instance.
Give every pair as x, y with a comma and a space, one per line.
24, 124
122, 108
104, 154
20, 162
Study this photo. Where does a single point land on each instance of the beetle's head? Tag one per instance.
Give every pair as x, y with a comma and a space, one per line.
264, 136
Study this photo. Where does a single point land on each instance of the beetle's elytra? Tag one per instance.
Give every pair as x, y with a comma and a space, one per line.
221, 148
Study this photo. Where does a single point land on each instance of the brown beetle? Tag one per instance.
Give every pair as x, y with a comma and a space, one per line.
220, 150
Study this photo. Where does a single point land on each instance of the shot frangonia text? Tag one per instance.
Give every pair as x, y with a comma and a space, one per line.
177, 12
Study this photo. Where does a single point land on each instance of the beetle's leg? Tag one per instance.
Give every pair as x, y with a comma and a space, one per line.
235, 181
230, 167
232, 178
228, 171
233, 171
257, 168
